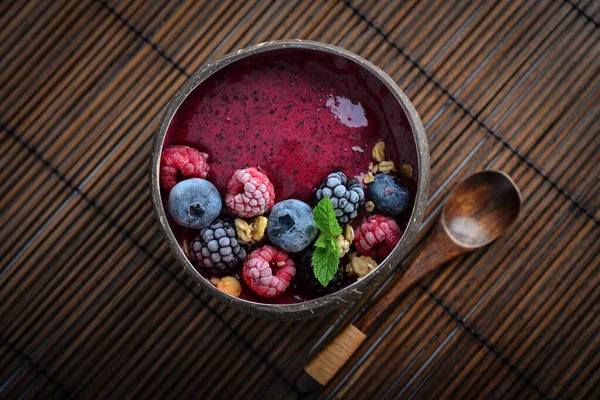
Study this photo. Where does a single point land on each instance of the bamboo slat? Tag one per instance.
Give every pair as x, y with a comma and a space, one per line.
92, 304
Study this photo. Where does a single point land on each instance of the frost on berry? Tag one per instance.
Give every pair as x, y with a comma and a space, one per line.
377, 236
346, 195
268, 271
181, 159
249, 193
216, 248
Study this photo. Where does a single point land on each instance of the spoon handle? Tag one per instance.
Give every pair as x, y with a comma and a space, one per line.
438, 249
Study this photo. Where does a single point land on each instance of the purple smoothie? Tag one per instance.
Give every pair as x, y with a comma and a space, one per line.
297, 115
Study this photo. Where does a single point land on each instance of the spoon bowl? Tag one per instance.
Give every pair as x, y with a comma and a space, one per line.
481, 208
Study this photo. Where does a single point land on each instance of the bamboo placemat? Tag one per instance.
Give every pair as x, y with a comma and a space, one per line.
92, 304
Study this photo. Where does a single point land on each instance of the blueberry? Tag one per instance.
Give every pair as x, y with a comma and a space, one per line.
194, 203
291, 226
389, 194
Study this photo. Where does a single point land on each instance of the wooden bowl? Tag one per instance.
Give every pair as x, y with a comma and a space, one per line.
412, 134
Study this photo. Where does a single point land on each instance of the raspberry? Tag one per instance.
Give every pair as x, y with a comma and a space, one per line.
268, 271
190, 162
377, 236
249, 193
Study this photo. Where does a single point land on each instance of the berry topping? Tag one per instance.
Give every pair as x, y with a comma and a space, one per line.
181, 159
249, 193
194, 203
230, 285
268, 271
389, 194
377, 236
346, 196
291, 225
305, 276
217, 249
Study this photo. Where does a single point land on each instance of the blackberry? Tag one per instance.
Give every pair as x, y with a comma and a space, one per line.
305, 277
216, 248
346, 195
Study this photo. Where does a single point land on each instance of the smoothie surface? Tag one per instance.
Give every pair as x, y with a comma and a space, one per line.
297, 116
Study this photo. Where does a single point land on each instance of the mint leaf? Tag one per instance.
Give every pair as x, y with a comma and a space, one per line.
325, 241
325, 259
325, 219
322, 241
325, 262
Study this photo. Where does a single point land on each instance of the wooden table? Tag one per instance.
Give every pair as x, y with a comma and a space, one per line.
92, 304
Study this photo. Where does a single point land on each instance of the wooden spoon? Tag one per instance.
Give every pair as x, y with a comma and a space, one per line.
480, 209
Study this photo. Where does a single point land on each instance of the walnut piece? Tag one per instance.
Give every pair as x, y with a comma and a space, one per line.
386, 166
373, 168
406, 170
360, 266
260, 226
230, 285
243, 229
378, 152
349, 233
345, 240
343, 244
253, 232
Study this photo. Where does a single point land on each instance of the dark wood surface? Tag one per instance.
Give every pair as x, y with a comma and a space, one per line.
92, 304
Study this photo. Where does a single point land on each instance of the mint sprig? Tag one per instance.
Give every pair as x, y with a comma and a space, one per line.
325, 259
325, 218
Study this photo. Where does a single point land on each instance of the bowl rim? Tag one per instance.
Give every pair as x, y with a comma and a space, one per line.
331, 301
